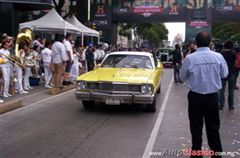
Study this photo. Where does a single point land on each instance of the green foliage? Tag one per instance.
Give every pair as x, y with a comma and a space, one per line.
154, 33
59, 5
125, 30
224, 31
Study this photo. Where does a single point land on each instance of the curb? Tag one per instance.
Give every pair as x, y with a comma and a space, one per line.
55, 91
10, 105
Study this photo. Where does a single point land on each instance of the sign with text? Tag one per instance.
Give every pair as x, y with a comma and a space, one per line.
134, 11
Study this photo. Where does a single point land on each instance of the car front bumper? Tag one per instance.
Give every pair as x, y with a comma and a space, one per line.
124, 98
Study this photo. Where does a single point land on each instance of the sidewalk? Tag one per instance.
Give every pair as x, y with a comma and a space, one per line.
174, 134
20, 100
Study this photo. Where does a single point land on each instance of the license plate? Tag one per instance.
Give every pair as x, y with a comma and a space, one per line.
111, 101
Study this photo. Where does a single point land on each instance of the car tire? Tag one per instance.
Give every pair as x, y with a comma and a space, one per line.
159, 89
88, 104
151, 107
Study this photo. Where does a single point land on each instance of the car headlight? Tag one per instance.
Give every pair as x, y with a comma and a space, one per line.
81, 85
146, 88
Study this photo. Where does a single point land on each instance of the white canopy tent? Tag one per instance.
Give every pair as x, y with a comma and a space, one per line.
86, 31
51, 22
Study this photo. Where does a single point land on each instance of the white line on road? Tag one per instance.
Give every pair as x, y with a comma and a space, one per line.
153, 136
30, 105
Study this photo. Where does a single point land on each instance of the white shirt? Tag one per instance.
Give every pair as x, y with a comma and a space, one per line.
59, 53
5, 53
37, 43
69, 48
84, 55
75, 59
22, 56
99, 54
46, 55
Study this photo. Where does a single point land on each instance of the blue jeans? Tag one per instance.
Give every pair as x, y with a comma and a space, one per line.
176, 69
231, 85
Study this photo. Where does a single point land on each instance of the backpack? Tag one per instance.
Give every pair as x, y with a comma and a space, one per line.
237, 64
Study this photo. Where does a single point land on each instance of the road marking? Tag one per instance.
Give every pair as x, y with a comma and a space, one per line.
154, 133
30, 105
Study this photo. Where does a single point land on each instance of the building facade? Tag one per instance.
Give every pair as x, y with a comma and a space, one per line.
13, 12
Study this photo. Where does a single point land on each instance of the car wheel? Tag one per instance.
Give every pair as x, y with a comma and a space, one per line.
159, 89
88, 104
152, 107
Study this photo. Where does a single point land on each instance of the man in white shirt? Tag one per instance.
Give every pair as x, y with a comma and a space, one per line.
59, 58
99, 54
202, 71
69, 62
47, 58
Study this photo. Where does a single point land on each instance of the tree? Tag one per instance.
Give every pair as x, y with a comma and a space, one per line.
224, 31
59, 5
154, 33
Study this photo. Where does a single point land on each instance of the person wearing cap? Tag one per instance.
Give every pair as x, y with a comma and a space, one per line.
6, 70
202, 72
90, 57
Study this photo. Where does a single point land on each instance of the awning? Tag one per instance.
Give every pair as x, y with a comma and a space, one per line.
51, 22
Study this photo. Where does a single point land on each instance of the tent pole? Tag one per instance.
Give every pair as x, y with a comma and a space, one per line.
82, 39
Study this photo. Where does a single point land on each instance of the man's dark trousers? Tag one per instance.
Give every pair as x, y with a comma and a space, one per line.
204, 108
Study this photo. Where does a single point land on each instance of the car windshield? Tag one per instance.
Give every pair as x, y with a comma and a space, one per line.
128, 61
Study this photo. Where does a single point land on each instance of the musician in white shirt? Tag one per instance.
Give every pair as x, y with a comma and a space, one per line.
75, 66
47, 58
4, 52
19, 70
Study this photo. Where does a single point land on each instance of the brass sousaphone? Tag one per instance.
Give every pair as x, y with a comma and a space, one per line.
25, 35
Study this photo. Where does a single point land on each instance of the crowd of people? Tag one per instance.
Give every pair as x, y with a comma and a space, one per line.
231, 55
206, 68
55, 63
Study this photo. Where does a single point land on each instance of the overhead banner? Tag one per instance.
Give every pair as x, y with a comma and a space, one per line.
226, 9
135, 11
148, 10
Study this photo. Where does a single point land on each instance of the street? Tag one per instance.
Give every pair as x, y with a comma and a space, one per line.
59, 127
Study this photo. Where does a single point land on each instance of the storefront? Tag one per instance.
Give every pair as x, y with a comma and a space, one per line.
13, 12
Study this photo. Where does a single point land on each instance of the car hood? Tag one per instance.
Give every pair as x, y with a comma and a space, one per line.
128, 75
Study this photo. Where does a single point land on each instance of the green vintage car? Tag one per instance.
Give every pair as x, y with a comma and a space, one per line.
165, 56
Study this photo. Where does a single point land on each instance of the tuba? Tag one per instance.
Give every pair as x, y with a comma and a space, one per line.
25, 35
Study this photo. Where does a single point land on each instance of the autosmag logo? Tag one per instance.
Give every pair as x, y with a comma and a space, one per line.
121, 10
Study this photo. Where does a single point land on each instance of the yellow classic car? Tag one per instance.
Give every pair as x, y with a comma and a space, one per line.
122, 78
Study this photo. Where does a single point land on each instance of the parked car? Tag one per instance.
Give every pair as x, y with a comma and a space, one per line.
122, 78
165, 56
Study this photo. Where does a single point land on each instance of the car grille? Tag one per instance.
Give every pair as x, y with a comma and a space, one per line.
113, 87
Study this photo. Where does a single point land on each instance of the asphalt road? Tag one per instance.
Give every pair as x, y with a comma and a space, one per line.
59, 127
